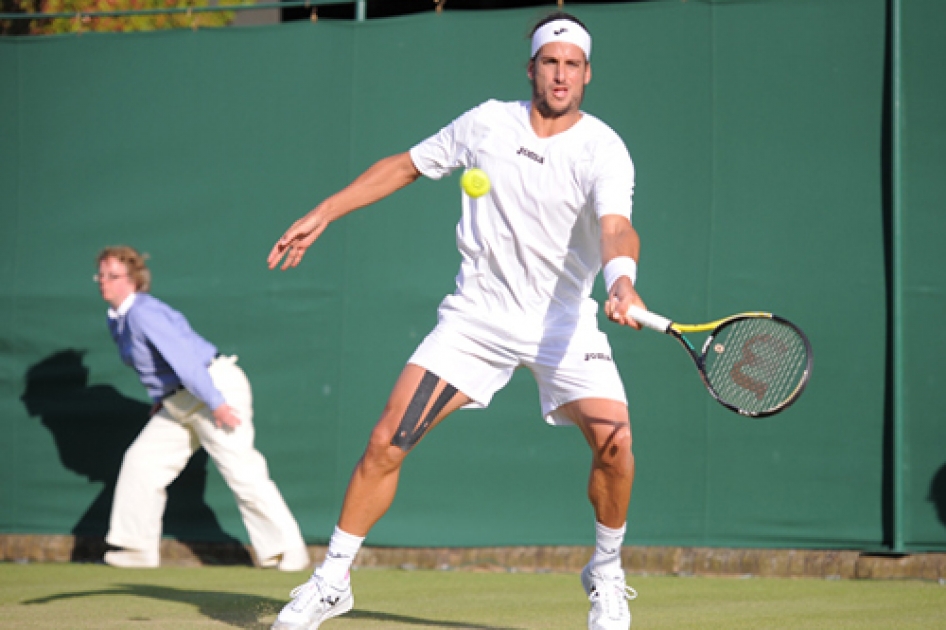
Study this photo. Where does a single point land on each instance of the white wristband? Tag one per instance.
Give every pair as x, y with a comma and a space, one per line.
617, 267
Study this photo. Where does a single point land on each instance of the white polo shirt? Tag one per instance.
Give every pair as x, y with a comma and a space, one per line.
531, 247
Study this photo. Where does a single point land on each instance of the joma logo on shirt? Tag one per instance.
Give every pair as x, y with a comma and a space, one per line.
532, 155
597, 355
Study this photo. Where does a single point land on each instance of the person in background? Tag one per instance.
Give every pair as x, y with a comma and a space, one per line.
201, 399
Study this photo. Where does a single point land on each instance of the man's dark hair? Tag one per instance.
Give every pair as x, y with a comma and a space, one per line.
558, 15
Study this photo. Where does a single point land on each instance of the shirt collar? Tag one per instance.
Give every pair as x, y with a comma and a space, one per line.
123, 308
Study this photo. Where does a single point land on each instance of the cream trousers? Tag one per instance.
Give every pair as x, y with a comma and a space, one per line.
162, 450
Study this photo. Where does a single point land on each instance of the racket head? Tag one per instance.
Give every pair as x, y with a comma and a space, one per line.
756, 364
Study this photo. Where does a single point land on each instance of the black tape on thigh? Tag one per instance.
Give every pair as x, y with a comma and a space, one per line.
412, 428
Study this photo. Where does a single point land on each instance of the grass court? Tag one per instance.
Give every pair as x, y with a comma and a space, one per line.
89, 596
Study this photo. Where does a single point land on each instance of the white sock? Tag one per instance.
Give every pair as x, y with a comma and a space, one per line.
606, 560
341, 552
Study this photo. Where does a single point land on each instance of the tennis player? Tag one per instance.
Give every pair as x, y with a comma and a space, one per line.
558, 211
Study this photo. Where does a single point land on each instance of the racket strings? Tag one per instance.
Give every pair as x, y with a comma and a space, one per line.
756, 364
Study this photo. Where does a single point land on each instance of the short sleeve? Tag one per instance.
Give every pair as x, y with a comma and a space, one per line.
613, 178
447, 150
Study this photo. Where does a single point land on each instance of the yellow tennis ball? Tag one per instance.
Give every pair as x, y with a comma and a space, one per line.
475, 182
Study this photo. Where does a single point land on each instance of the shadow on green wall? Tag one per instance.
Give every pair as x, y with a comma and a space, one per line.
938, 493
93, 427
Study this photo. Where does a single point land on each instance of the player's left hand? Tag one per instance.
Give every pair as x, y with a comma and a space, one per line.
225, 418
623, 296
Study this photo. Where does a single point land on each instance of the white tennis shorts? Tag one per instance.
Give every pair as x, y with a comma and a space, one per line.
479, 362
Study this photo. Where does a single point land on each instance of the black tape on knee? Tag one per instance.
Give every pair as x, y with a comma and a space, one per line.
412, 428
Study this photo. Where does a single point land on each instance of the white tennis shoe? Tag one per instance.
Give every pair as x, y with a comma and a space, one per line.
608, 597
314, 602
295, 560
132, 559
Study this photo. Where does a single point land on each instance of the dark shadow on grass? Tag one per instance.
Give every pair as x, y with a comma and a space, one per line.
415, 621
235, 609
243, 611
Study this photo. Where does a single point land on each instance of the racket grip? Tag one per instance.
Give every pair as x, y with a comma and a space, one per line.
651, 320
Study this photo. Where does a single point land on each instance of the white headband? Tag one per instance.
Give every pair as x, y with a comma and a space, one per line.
562, 31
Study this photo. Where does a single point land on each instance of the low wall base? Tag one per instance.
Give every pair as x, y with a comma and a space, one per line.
683, 561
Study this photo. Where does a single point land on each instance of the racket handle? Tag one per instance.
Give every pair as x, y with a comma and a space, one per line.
651, 320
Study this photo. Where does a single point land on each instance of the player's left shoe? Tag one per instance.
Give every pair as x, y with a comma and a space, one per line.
314, 602
608, 596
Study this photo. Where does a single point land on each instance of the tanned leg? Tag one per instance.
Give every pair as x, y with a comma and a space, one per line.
607, 429
418, 402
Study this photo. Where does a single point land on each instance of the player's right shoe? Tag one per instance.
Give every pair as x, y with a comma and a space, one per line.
314, 602
608, 597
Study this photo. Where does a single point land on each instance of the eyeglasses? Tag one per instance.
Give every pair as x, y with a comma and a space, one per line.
108, 276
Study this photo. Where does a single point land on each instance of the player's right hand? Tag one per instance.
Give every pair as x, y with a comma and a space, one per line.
297, 239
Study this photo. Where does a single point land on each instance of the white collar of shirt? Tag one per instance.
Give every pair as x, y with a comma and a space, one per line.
123, 308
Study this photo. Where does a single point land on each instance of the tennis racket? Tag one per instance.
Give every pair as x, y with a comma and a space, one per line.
755, 364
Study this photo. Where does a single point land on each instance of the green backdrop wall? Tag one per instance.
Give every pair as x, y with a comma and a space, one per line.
922, 290
760, 133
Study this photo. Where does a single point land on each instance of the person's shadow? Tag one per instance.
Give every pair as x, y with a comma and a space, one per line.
93, 427
938, 493
248, 611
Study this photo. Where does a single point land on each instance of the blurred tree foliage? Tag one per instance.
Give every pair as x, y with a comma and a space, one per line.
81, 22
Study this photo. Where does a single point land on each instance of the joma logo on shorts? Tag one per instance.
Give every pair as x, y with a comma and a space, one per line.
589, 356
532, 155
